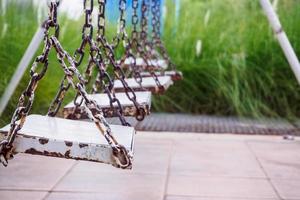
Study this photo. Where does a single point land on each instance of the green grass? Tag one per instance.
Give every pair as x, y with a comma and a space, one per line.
241, 69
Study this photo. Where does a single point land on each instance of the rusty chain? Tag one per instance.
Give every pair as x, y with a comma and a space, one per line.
27, 97
119, 151
123, 36
136, 44
120, 154
109, 53
156, 32
78, 56
135, 34
95, 60
145, 43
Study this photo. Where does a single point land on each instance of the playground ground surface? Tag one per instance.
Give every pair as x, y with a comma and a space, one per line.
169, 166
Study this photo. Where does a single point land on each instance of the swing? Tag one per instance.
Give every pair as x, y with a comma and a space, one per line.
174, 74
153, 83
159, 63
51, 136
144, 100
164, 82
63, 138
140, 63
157, 44
128, 103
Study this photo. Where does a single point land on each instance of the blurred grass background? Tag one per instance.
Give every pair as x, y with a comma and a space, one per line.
231, 62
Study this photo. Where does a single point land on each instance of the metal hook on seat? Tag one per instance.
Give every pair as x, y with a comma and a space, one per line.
5, 152
123, 158
140, 113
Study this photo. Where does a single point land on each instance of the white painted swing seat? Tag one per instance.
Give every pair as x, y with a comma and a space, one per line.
175, 75
79, 140
148, 83
160, 63
143, 98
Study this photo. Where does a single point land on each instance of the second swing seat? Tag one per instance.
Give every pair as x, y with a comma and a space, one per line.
143, 98
160, 64
174, 74
148, 83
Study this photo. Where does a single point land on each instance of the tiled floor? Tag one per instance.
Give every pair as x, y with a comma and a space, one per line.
167, 166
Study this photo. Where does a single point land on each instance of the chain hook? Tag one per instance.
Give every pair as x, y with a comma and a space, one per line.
123, 158
5, 152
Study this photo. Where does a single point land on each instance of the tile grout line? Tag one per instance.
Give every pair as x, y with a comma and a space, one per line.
168, 171
61, 178
218, 197
263, 169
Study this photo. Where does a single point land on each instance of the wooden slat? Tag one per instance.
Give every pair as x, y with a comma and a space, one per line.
148, 83
175, 75
143, 98
140, 63
79, 140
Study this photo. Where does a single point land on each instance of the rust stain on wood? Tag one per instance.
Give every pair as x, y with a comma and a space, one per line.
81, 145
69, 144
43, 141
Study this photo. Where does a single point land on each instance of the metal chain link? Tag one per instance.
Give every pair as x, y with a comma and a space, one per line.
143, 38
109, 52
156, 32
87, 40
87, 34
27, 97
136, 44
121, 155
122, 34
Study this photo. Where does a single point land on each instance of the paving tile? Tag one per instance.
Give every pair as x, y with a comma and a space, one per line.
210, 198
147, 179
105, 182
151, 156
214, 158
107, 196
220, 187
24, 195
28, 172
287, 189
280, 160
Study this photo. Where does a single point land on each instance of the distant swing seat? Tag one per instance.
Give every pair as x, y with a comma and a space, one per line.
148, 83
63, 138
161, 64
175, 75
143, 98
158, 64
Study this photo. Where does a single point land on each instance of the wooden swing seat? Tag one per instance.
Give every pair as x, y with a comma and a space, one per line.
148, 83
63, 138
160, 63
143, 98
175, 75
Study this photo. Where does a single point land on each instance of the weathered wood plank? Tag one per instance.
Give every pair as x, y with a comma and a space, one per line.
148, 83
143, 98
175, 75
79, 140
141, 63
